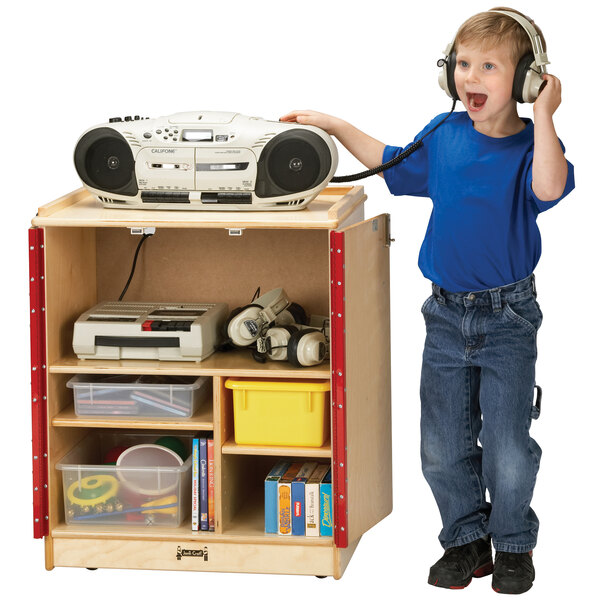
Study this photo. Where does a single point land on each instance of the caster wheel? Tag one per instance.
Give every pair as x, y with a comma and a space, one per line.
321, 576
92, 568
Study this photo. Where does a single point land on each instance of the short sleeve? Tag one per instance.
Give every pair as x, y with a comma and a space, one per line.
543, 205
410, 177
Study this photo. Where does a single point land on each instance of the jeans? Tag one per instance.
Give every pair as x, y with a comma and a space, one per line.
477, 388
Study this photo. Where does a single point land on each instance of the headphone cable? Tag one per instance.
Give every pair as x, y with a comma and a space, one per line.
394, 161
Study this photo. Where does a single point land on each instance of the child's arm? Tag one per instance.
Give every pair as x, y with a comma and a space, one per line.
367, 149
549, 172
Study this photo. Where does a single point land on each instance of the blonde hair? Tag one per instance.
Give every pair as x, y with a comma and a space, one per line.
492, 29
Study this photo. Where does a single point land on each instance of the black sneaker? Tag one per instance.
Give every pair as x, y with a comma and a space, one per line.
513, 573
460, 564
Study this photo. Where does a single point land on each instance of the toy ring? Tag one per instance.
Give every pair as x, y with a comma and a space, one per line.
92, 490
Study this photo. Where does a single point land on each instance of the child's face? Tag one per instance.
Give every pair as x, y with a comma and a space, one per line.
484, 80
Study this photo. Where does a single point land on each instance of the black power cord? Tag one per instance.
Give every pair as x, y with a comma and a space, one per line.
137, 251
397, 159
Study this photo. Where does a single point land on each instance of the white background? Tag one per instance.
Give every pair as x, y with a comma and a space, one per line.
69, 65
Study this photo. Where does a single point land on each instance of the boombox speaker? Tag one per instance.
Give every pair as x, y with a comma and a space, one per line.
205, 161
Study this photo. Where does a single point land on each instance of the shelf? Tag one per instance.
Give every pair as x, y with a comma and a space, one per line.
236, 363
84, 252
81, 209
248, 528
230, 447
249, 524
202, 420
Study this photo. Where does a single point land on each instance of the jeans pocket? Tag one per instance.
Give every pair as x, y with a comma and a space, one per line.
526, 313
426, 304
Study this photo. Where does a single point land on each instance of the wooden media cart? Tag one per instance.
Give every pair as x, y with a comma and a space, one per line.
328, 259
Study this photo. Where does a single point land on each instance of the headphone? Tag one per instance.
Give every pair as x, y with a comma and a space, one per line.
300, 345
528, 81
247, 323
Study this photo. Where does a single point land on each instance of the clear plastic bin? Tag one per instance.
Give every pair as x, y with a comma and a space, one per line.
280, 412
142, 396
100, 493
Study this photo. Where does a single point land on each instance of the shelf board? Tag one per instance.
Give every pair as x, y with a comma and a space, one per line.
81, 209
248, 528
230, 447
236, 363
202, 420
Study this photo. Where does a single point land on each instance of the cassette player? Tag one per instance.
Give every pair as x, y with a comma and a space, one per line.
205, 161
159, 331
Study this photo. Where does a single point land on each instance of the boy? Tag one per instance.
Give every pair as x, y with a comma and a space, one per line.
489, 174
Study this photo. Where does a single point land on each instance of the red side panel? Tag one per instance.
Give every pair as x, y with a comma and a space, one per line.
338, 391
38, 382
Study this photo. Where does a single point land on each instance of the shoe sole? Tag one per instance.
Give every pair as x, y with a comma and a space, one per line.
482, 571
511, 588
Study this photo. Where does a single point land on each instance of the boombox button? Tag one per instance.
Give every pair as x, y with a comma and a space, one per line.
147, 135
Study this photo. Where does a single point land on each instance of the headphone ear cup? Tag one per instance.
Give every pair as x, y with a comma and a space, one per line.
306, 348
277, 341
226, 344
235, 324
450, 68
522, 82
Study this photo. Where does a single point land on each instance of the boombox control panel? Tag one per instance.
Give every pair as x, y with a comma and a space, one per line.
205, 161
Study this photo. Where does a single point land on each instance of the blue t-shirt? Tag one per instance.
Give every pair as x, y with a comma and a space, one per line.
482, 232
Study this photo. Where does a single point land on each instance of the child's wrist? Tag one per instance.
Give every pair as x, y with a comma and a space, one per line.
542, 115
337, 127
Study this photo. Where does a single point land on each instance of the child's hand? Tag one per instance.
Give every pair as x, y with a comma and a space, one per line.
550, 96
311, 117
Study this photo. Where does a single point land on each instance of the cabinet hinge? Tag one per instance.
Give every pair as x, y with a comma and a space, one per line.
39, 418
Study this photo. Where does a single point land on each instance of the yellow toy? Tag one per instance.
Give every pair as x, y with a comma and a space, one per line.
93, 490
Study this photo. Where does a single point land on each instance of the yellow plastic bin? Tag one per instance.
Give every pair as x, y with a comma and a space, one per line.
280, 412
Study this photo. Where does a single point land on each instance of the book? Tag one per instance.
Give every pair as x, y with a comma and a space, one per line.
313, 499
284, 499
298, 498
203, 476
325, 508
210, 445
271, 481
195, 484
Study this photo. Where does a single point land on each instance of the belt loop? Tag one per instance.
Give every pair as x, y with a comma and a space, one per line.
437, 292
533, 288
496, 300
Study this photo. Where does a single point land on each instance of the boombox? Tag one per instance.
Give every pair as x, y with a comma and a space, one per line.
205, 161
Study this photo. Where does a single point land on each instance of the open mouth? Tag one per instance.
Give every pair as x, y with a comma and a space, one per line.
476, 101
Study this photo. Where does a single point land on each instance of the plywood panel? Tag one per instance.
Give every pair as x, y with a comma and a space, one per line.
209, 265
70, 284
368, 385
195, 556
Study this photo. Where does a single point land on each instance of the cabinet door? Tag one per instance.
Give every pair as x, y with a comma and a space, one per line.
361, 386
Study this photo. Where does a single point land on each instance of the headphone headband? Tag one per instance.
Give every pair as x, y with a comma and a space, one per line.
541, 58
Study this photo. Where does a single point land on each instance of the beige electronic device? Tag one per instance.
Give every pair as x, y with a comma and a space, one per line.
205, 161
143, 330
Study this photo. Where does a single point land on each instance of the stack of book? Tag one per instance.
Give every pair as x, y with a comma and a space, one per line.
298, 499
203, 485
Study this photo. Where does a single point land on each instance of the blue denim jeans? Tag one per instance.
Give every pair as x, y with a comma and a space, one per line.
477, 388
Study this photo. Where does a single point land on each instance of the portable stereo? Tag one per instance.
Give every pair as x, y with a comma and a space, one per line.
205, 161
